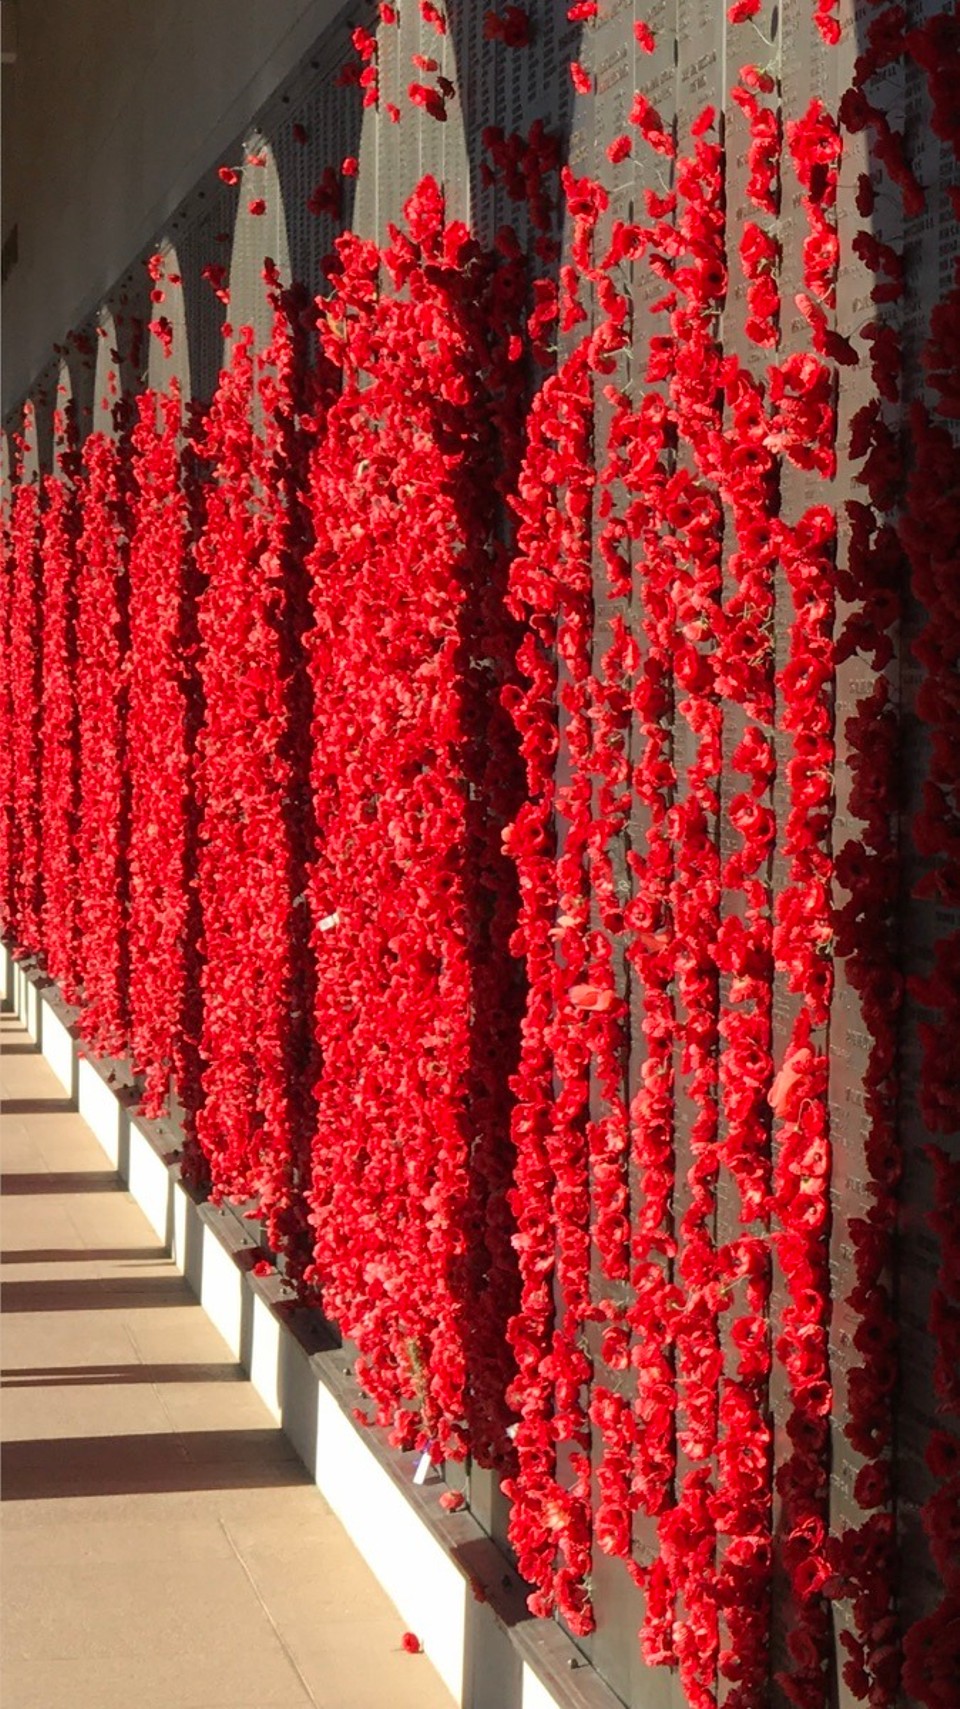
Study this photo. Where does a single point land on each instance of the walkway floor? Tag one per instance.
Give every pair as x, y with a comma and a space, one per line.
162, 1546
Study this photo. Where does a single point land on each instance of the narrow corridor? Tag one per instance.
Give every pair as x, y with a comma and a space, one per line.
163, 1547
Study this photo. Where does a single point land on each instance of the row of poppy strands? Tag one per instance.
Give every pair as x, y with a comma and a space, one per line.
311, 533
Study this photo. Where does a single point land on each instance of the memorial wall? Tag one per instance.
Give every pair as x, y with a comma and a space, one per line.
480, 645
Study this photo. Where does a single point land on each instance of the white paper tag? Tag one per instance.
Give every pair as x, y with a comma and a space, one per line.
423, 1467
328, 922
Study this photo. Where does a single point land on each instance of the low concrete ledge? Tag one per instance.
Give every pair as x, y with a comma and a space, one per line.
448, 1579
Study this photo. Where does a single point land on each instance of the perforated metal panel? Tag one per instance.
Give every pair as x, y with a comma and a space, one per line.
106, 376
259, 235
6, 473
203, 237
64, 414
170, 360
313, 125
31, 461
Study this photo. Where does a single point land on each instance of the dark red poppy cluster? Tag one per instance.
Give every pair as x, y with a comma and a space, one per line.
413, 781
424, 762
23, 738
102, 691
157, 746
57, 708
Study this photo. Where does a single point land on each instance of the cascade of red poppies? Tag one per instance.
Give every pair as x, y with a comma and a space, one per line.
930, 532
242, 779
102, 651
26, 619
551, 585
697, 656
870, 583
406, 656
7, 914
749, 483
157, 731
292, 395
60, 735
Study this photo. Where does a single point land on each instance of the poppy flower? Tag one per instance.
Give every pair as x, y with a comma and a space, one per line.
512, 26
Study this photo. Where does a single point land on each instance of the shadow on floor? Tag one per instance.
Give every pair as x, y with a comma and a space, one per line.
147, 1464
85, 1255
60, 1181
36, 1106
84, 1376
107, 1293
